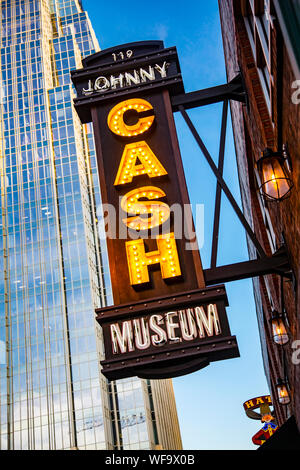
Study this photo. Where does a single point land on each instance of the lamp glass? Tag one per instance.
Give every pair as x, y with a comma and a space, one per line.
283, 394
279, 332
275, 181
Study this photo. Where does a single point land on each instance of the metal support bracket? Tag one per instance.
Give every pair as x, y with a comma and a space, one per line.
239, 213
276, 264
234, 90
279, 262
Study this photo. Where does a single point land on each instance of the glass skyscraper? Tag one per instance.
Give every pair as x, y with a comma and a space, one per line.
54, 269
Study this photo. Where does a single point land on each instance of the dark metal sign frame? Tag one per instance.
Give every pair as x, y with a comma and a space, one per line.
96, 94
279, 262
168, 360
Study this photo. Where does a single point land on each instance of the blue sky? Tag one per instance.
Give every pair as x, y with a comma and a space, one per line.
209, 402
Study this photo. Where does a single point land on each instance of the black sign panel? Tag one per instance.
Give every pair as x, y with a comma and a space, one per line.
168, 336
165, 322
106, 75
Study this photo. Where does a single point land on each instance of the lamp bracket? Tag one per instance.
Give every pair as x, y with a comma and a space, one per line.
278, 263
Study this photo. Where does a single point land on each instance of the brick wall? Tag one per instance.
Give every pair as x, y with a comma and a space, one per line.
254, 129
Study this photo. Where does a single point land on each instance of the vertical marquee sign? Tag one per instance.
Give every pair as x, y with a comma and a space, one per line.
164, 321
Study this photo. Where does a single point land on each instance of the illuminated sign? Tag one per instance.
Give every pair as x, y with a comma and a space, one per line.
168, 336
127, 79
151, 239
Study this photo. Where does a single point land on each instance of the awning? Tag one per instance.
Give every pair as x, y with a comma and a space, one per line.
287, 437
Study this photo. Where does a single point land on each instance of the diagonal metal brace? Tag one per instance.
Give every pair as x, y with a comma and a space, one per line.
223, 185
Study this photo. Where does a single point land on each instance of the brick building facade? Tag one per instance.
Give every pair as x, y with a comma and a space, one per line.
259, 41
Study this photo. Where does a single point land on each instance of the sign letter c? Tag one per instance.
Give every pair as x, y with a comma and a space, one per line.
115, 120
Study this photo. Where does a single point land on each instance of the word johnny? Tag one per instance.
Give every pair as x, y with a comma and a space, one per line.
161, 329
101, 84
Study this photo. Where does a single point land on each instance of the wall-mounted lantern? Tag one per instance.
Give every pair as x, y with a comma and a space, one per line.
279, 332
283, 392
274, 169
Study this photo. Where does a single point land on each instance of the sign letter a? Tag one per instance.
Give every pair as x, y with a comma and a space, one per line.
138, 159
